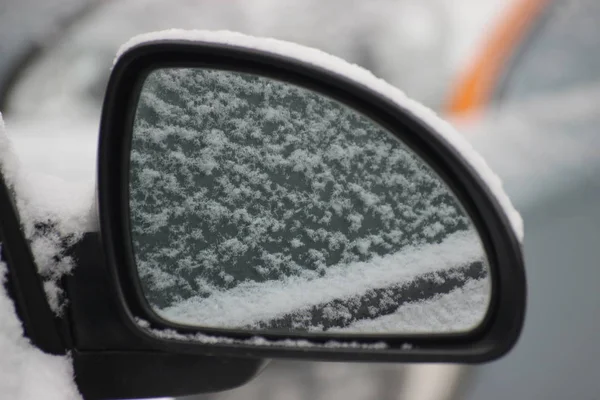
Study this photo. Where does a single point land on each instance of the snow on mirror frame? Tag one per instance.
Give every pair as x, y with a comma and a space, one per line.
261, 206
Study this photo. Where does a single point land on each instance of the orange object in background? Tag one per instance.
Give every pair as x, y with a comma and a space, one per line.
475, 88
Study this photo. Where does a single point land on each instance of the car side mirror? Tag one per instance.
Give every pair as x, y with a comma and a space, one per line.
262, 199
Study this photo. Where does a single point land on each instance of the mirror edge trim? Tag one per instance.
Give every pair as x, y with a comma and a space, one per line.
490, 344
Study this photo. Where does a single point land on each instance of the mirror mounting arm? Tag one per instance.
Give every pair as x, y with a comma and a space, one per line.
111, 362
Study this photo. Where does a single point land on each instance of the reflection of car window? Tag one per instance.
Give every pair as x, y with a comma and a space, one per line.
562, 54
269, 193
242, 186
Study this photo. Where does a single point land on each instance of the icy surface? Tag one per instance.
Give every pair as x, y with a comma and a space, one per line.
359, 75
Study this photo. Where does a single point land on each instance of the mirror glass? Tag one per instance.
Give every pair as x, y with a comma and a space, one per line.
259, 205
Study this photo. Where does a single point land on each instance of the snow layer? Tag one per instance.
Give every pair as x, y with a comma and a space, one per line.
251, 302
27, 373
361, 76
21, 364
54, 213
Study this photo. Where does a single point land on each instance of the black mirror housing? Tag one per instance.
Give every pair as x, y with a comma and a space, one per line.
426, 136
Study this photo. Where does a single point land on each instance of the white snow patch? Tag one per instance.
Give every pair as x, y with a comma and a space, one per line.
27, 373
252, 302
357, 74
65, 208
